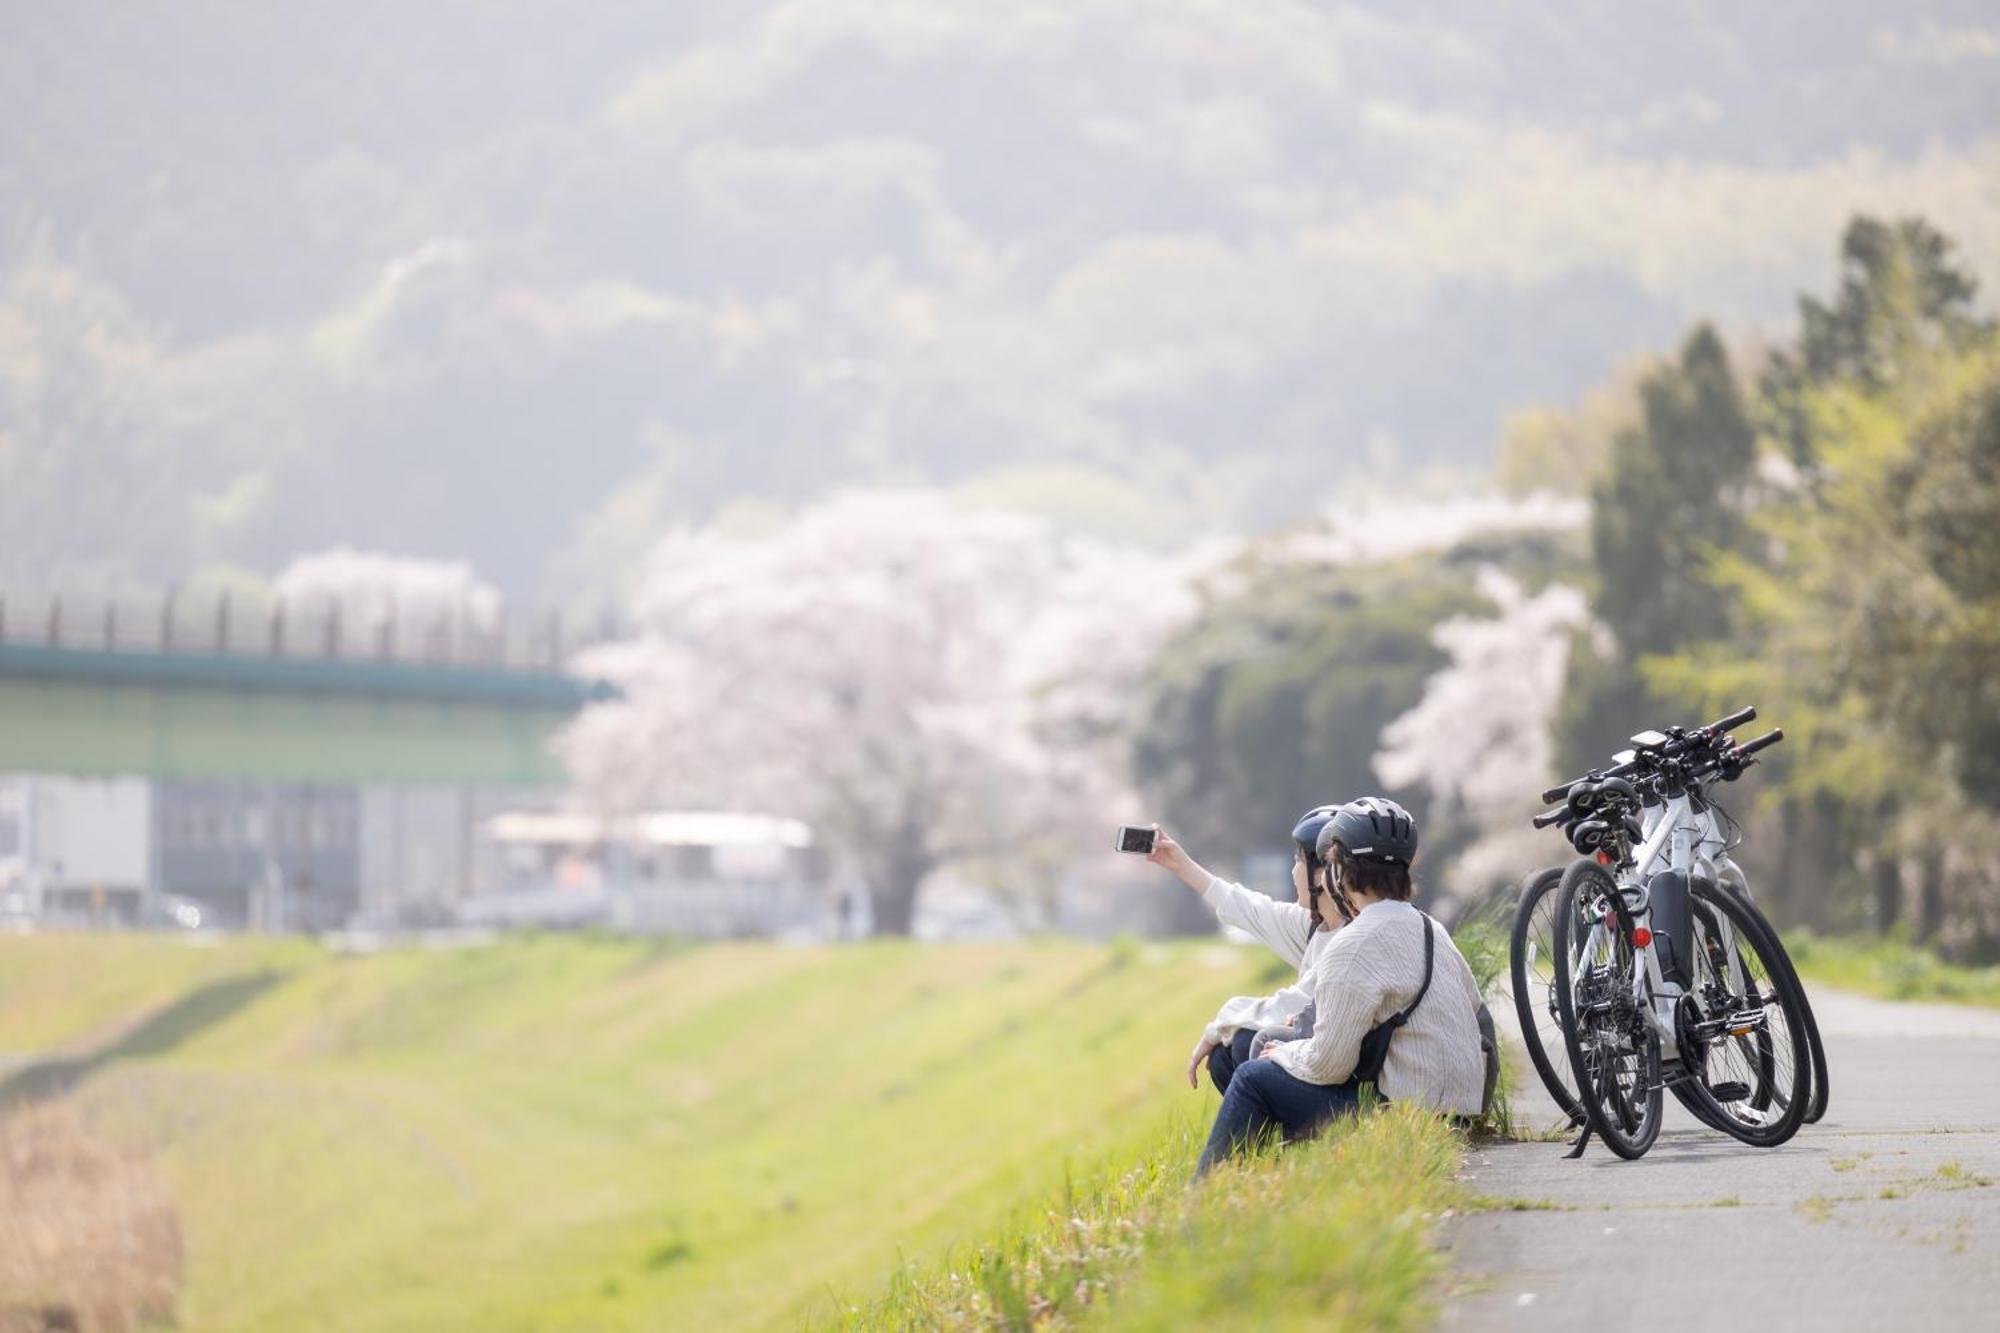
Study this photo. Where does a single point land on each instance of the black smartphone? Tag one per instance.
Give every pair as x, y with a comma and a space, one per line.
1134, 838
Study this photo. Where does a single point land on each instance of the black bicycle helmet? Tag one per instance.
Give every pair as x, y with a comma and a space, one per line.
1373, 828
1305, 833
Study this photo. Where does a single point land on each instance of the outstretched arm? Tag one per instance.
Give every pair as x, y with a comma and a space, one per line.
1166, 852
1283, 927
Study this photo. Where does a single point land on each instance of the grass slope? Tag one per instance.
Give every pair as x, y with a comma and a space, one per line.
1333, 1234
1891, 969
568, 1132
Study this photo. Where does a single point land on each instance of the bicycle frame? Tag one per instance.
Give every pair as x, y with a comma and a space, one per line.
1675, 836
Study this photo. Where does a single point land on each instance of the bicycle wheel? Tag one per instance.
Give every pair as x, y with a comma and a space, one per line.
1815, 1049
1740, 1028
1531, 966
1732, 879
1701, 1108
1613, 1050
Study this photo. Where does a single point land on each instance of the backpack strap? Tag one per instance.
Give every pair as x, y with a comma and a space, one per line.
1401, 1018
1375, 1042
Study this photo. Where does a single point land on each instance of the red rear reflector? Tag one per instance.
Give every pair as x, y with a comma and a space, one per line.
1641, 937
1604, 858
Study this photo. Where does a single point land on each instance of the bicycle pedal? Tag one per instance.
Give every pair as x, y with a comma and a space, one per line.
1729, 1092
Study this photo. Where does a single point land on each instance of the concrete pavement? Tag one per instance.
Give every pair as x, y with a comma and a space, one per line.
1885, 1213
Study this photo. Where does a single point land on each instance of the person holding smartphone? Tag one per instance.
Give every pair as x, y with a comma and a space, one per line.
1397, 1006
1294, 931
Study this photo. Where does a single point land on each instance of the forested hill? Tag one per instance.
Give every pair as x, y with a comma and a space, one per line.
274, 279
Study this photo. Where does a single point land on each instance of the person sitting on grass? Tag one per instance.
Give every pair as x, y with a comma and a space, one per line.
1397, 1006
1294, 931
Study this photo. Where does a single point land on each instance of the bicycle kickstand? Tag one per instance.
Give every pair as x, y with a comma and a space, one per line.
1582, 1140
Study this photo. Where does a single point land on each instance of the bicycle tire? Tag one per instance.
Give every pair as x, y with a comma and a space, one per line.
1698, 1107
1821, 1078
1816, 1108
1534, 999
1785, 992
1632, 1129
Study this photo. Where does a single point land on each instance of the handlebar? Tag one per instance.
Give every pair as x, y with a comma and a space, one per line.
1716, 728
1734, 720
1764, 742
1709, 749
1554, 794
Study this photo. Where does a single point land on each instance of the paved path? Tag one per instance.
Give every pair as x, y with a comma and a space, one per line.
1886, 1214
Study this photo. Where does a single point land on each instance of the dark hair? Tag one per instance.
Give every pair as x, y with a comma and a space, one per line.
1377, 878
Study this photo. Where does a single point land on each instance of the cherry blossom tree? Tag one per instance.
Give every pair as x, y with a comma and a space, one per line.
930, 685
1480, 738
404, 604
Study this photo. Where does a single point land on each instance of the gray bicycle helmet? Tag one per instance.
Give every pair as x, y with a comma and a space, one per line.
1373, 828
1305, 833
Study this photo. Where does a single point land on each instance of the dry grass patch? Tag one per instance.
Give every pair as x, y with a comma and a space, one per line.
89, 1240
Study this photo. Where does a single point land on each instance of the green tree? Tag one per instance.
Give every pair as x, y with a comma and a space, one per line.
1667, 503
1866, 609
1566, 449
1902, 292
1275, 699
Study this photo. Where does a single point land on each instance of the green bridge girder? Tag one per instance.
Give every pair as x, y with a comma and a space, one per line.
87, 712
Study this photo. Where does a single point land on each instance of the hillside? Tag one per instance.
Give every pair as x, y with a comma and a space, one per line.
574, 1132
527, 286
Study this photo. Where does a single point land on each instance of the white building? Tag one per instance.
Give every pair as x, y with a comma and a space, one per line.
75, 849
701, 873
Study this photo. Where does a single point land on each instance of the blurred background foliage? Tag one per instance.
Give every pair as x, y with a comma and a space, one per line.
1276, 698
1812, 526
294, 278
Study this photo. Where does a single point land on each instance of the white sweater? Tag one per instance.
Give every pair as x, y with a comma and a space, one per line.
1369, 972
1283, 927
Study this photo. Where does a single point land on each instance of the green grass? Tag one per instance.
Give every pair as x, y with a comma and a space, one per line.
1334, 1234
1891, 969
612, 1134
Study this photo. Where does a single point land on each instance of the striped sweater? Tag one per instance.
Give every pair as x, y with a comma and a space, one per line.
1371, 969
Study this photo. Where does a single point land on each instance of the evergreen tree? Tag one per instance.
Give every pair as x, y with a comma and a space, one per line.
1669, 501
1902, 293
1867, 598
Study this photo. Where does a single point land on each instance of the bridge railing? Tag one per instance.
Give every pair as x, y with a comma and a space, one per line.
241, 623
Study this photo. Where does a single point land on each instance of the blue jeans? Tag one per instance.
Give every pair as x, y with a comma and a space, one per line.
1226, 1059
1261, 1095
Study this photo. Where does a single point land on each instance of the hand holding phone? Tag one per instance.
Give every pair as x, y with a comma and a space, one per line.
1158, 846
1135, 838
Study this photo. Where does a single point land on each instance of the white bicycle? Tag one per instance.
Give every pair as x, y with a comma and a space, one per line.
1664, 974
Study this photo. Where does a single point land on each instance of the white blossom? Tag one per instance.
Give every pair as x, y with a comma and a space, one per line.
420, 605
927, 683
1366, 531
1480, 738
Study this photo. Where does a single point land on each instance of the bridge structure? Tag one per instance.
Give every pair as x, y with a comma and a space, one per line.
275, 697
266, 764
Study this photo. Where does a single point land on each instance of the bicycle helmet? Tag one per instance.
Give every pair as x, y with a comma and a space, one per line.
1305, 833
1373, 829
